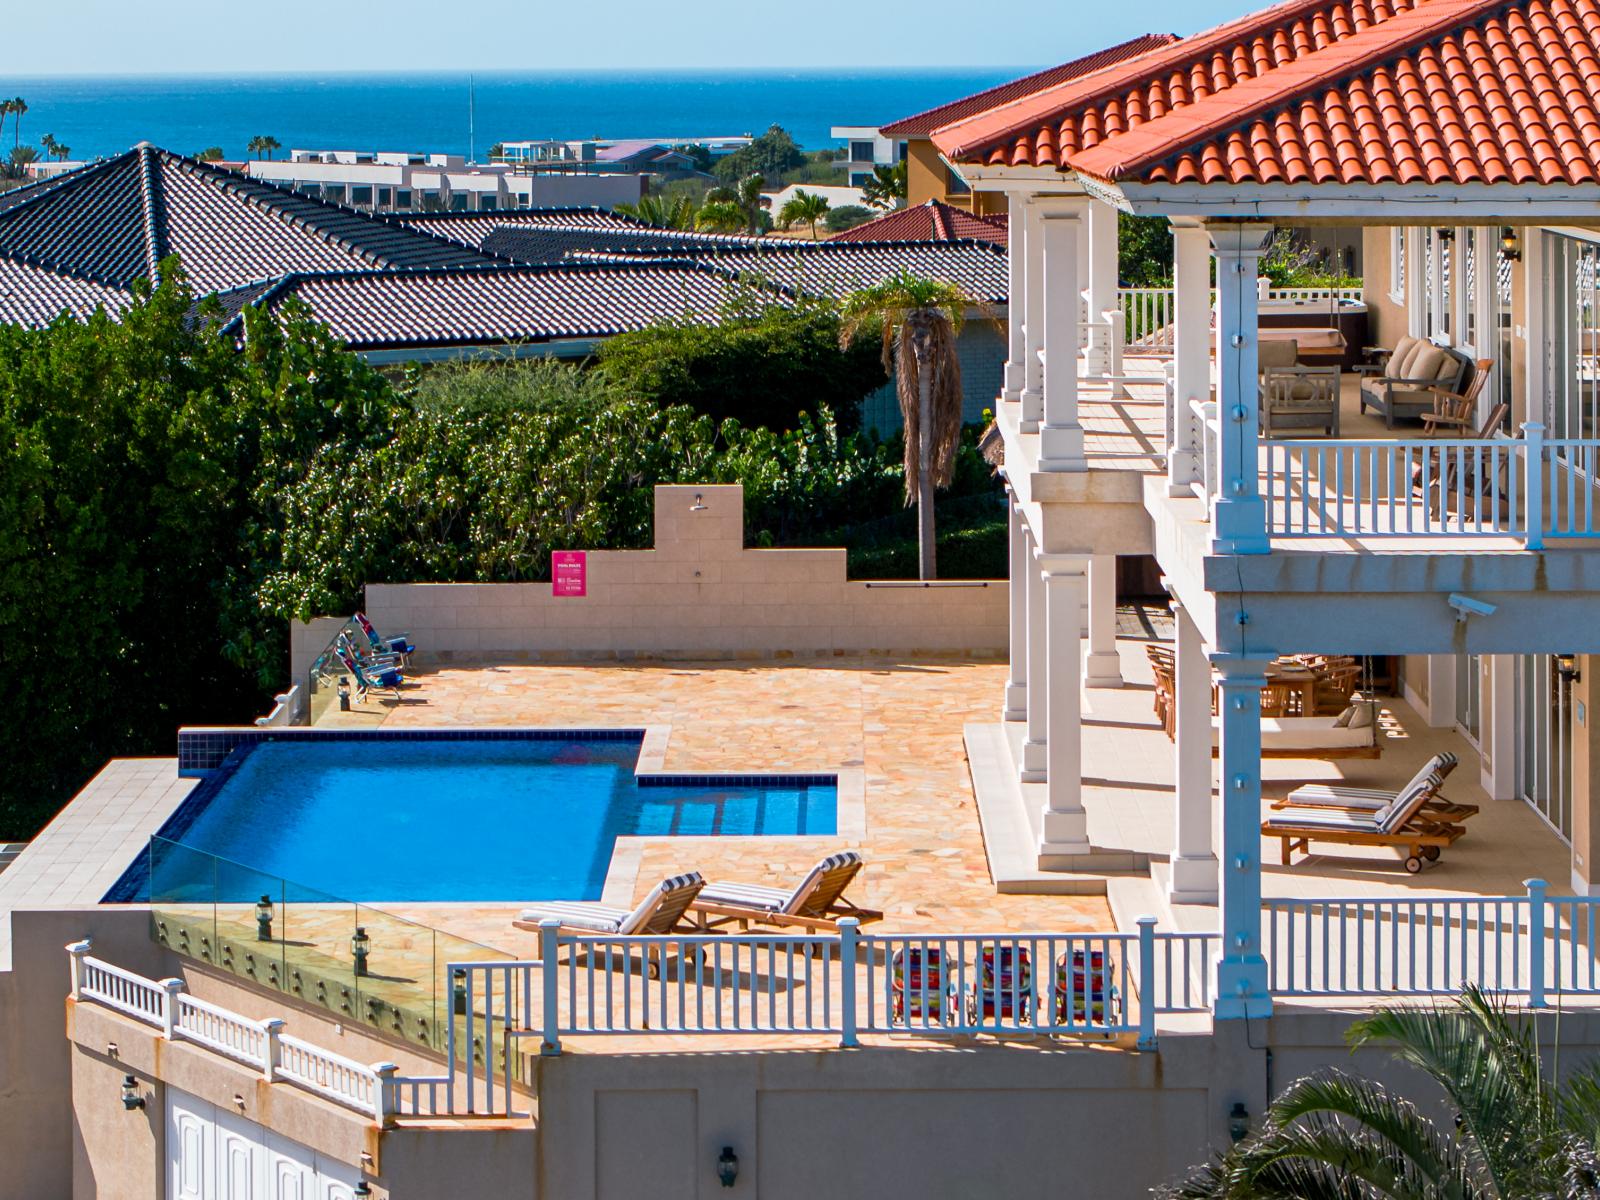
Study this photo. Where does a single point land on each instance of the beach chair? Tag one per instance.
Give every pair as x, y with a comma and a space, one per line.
660, 912
1004, 989
400, 645
381, 679
816, 903
1084, 993
920, 994
1402, 825
1372, 800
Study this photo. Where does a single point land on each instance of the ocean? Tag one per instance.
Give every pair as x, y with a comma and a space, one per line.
429, 112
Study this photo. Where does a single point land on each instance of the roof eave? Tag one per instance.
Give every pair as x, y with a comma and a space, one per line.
1398, 204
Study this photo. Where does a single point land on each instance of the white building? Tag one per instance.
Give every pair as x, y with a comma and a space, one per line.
865, 148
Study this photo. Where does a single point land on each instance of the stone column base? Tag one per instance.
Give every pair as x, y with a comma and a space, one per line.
1102, 670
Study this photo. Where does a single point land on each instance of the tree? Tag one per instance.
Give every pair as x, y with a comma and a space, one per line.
720, 216
19, 106
263, 145
745, 196
5, 111
700, 155
21, 158
1144, 251
678, 213
211, 154
918, 321
887, 187
1518, 1131
846, 216
804, 206
770, 155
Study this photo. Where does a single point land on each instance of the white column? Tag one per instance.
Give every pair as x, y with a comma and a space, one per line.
1194, 862
1103, 667
1034, 745
1061, 436
1102, 244
1016, 299
1238, 516
1016, 706
1032, 314
1241, 977
1191, 349
1063, 826
1416, 280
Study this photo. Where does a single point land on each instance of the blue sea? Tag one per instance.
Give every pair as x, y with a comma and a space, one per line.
104, 115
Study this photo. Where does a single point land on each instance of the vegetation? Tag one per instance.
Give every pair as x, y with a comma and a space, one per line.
211, 154
769, 155
1291, 262
847, 216
1519, 1131
1144, 251
56, 150
679, 213
805, 208
916, 321
263, 146
735, 208
14, 108
887, 187
700, 155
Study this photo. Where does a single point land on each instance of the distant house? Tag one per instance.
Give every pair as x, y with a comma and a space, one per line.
866, 147
837, 197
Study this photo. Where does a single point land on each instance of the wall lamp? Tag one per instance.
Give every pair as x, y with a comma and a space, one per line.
1238, 1121
131, 1099
1567, 668
1509, 245
363, 1190
728, 1167
699, 504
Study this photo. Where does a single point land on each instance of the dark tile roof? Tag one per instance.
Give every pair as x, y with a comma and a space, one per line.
838, 268
35, 295
113, 220
471, 228
933, 221
536, 243
375, 310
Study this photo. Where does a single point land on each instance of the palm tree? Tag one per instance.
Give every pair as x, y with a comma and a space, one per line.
656, 210
746, 196
5, 111
720, 216
62, 151
887, 187
918, 320
18, 106
270, 144
809, 207
48, 143
1518, 1131
262, 145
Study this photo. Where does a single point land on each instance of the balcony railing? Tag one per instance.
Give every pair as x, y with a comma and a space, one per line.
1148, 312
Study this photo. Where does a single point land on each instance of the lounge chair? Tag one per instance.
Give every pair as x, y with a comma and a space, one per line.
380, 679
662, 911
816, 903
1403, 824
1372, 800
400, 645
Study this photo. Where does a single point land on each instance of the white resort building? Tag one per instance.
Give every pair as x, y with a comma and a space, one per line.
942, 890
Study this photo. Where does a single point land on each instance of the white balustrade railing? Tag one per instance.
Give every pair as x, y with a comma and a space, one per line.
1205, 439
1148, 312
377, 1089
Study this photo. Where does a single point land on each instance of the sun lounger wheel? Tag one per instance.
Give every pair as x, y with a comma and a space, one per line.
1413, 863
1431, 853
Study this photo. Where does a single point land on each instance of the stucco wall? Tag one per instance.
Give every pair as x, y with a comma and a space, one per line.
698, 594
1386, 320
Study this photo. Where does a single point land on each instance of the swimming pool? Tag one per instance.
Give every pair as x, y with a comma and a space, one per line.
457, 820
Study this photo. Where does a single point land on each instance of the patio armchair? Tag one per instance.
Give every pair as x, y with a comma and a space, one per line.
1295, 397
1451, 475
400, 644
381, 678
1453, 411
816, 903
1414, 373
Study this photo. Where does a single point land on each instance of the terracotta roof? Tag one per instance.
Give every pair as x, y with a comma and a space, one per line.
374, 310
1328, 91
933, 221
924, 123
112, 221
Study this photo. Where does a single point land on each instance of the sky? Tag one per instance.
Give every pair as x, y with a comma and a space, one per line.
185, 37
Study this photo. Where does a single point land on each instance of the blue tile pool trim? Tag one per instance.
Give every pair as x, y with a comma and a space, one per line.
201, 751
742, 779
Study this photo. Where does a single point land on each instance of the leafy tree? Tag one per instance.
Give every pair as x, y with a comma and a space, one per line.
846, 216
886, 188
1144, 251
211, 154
769, 155
917, 321
699, 154
804, 206
678, 213
1518, 1132
720, 216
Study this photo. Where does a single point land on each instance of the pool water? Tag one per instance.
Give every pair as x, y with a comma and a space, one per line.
493, 820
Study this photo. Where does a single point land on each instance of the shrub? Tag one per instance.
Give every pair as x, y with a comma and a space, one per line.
847, 216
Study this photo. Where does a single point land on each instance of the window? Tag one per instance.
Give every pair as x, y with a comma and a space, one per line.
1469, 287
860, 151
1397, 264
954, 185
361, 195
487, 203
458, 202
333, 192
385, 197
402, 198
1572, 399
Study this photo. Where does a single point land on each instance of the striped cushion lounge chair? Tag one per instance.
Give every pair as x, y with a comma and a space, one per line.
1375, 800
1403, 824
816, 903
659, 912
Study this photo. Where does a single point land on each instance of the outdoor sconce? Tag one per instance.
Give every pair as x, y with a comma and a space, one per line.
1238, 1121
264, 919
1509, 245
363, 1190
130, 1093
699, 504
458, 991
727, 1167
343, 688
360, 947
1445, 235
1567, 668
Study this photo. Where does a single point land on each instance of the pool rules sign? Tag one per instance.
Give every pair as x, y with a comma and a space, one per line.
569, 573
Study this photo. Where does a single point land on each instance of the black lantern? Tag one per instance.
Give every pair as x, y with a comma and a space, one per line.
360, 947
728, 1167
342, 687
1567, 668
362, 1190
1445, 235
1238, 1121
458, 991
264, 919
1509, 245
131, 1099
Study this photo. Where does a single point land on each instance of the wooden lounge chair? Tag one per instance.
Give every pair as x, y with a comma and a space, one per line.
1456, 411
1403, 824
1372, 800
817, 903
662, 911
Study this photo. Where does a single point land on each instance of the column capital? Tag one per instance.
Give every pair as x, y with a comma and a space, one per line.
1058, 566
1236, 669
1054, 206
1239, 237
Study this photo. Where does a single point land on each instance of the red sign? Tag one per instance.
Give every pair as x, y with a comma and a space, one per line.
569, 573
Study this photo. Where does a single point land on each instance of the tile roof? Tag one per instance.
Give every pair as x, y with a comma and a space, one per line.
924, 123
1328, 91
933, 221
372, 310
35, 295
112, 221
536, 243
470, 228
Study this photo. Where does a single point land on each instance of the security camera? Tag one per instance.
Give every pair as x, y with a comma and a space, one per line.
1466, 606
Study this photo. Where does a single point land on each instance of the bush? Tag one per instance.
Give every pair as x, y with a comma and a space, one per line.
769, 155
847, 216
763, 370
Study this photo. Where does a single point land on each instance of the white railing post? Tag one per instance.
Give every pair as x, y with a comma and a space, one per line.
549, 948
849, 942
1533, 450
78, 951
385, 1102
272, 1051
1147, 983
1536, 913
170, 990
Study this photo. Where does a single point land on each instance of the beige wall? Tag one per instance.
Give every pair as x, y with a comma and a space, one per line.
698, 594
1386, 320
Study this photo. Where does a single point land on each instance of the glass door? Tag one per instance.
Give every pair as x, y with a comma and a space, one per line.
1468, 687
1544, 750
